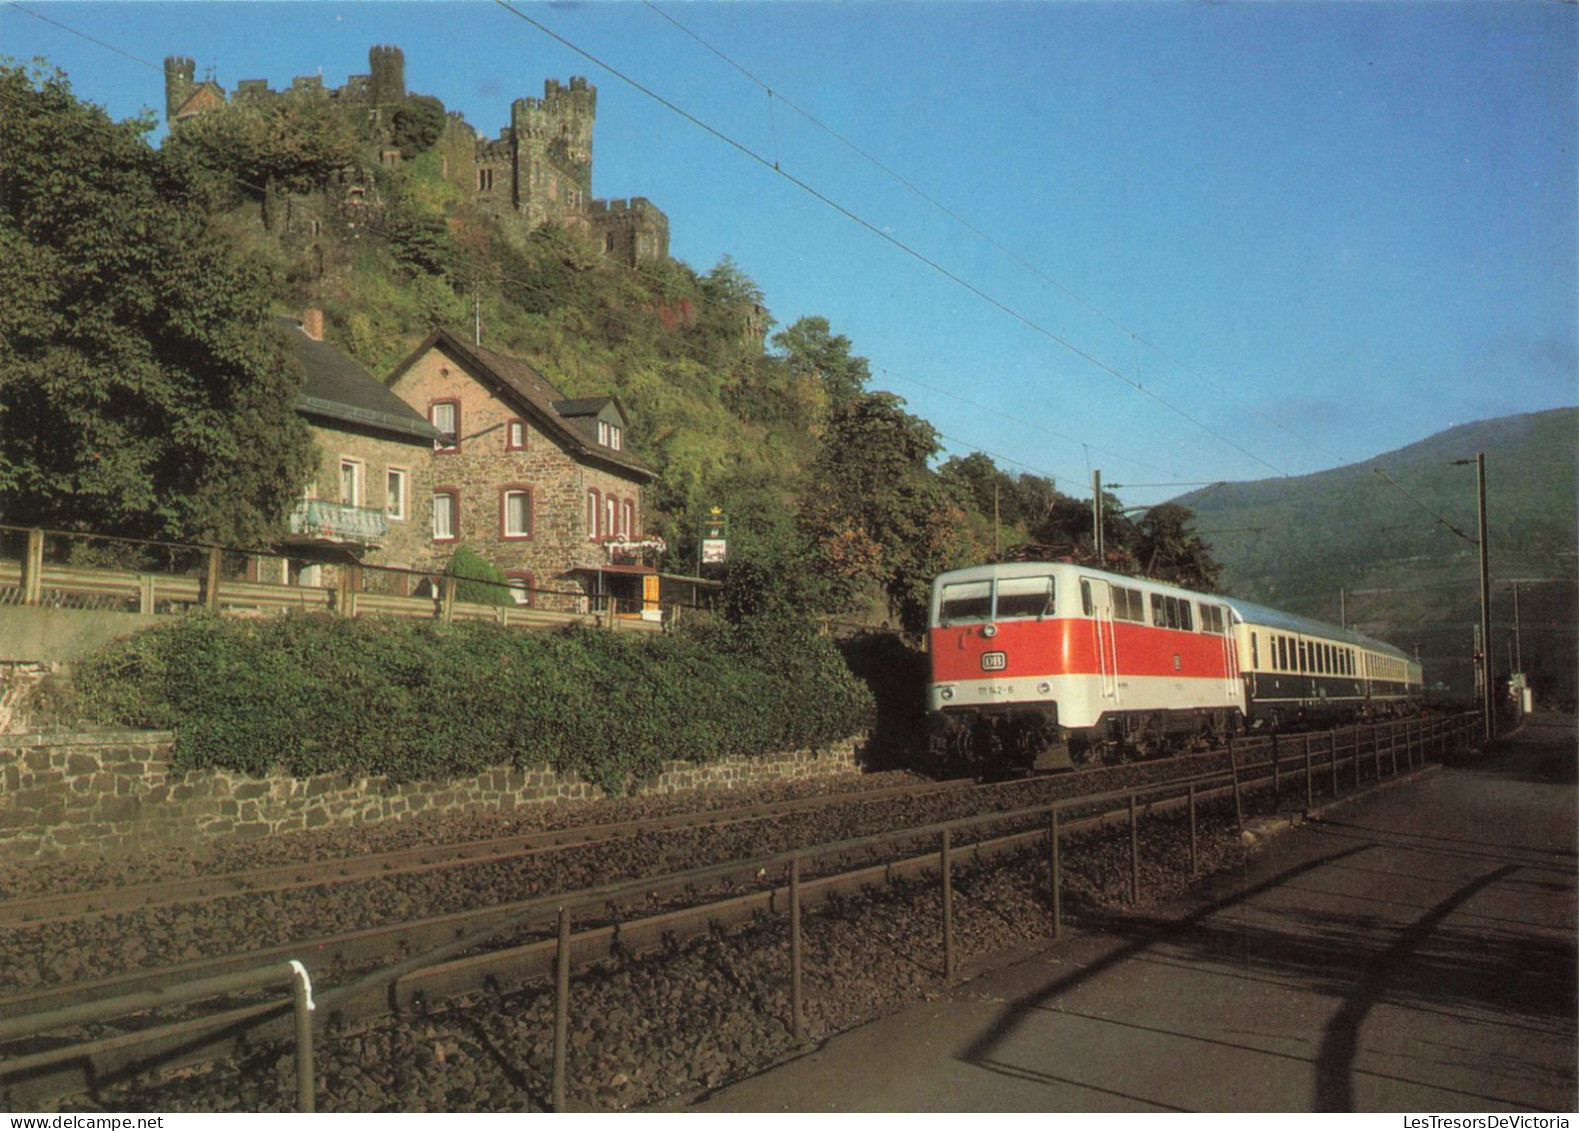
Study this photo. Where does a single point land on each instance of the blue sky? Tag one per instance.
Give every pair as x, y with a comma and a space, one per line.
1205, 241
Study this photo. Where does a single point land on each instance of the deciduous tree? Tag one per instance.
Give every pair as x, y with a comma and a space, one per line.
143, 388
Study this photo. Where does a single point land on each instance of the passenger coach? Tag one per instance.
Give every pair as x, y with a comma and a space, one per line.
1046, 665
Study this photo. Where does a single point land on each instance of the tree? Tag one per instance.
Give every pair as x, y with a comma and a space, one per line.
811, 349
874, 511
290, 144
143, 389
1170, 551
418, 123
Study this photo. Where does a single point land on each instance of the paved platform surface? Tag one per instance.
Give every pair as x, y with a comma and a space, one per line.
1409, 951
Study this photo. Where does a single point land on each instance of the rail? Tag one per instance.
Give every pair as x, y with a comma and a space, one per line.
447, 968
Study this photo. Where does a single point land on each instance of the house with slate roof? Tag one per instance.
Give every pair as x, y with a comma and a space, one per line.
540, 484
370, 499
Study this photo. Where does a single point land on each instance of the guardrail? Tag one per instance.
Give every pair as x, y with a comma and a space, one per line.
1324, 762
292, 972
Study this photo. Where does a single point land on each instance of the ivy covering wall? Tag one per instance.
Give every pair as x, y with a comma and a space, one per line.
312, 695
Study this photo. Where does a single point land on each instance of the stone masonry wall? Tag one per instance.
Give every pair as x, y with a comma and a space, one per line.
76, 794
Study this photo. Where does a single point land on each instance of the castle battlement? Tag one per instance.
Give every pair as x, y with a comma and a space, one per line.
538, 170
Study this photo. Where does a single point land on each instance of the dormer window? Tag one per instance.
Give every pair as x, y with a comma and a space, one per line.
610, 435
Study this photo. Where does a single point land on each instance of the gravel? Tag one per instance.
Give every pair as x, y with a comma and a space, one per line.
645, 1028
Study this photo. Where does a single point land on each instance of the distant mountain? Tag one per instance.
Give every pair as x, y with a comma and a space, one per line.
1388, 544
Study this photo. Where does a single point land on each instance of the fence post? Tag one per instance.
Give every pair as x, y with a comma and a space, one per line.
1239, 804
145, 594
1195, 860
302, 1003
1052, 851
1277, 776
211, 580
561, 1008
1310, 783
1332, 750
33, 569
948, 910
797, 1007
1134, 852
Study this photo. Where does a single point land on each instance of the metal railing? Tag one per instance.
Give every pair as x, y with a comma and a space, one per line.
1325, 763
293, 973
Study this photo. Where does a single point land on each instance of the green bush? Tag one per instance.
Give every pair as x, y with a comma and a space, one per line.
312, 694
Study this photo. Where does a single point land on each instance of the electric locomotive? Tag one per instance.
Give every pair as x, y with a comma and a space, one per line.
1047, 665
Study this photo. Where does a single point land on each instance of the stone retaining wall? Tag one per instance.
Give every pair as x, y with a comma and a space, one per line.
68, 794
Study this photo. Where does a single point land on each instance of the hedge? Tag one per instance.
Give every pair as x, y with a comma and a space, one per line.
313, 694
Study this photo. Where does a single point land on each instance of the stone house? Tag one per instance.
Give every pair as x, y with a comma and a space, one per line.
539, 484
370, 499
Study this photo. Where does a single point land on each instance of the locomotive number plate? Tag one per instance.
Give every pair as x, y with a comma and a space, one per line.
994, 661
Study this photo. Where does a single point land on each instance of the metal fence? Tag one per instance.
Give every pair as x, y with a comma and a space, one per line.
1310, 767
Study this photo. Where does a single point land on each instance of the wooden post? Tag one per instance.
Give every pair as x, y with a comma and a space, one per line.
1310, 775
1332, 748
948, 910
211, 580
1195, 855
33, 569
145, 594
561, 1009
447, 599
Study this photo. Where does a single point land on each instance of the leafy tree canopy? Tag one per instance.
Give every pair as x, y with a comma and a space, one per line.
418, 123
143, 390
812, 349
874, 511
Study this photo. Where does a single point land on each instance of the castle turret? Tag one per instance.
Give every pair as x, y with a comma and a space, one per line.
388, 67
179, 72
553, 151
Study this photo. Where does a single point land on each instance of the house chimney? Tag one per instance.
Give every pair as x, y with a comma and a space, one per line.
312, 323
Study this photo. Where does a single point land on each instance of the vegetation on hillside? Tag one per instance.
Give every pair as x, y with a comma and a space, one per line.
834, 499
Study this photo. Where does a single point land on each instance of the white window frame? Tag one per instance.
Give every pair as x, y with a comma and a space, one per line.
398, 478
505, 498
451, 511
358, 480
453, 431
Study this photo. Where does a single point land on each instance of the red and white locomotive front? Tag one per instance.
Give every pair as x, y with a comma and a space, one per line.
1008, 672
1038, 664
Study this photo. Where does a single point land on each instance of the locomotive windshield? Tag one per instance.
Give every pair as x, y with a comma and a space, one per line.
1017, 598
1025, 597
965, 600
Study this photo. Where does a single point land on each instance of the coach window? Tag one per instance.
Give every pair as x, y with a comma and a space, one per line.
1159, 615
1186, 617
1282, 653
1255, 652
1085, 597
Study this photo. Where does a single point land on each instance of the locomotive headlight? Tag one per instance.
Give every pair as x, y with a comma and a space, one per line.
946, 694
989, 630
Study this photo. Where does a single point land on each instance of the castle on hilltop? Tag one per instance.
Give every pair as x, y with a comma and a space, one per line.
537, 171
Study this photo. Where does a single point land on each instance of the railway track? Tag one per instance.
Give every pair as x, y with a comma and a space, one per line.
623, 914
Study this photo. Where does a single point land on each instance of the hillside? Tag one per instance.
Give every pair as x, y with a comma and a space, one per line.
1348, 537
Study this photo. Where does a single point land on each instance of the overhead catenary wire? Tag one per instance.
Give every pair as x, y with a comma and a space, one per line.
887, 237
1136, 338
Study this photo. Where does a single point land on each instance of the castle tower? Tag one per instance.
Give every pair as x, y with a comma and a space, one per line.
388, 67
179, 72
552, 137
